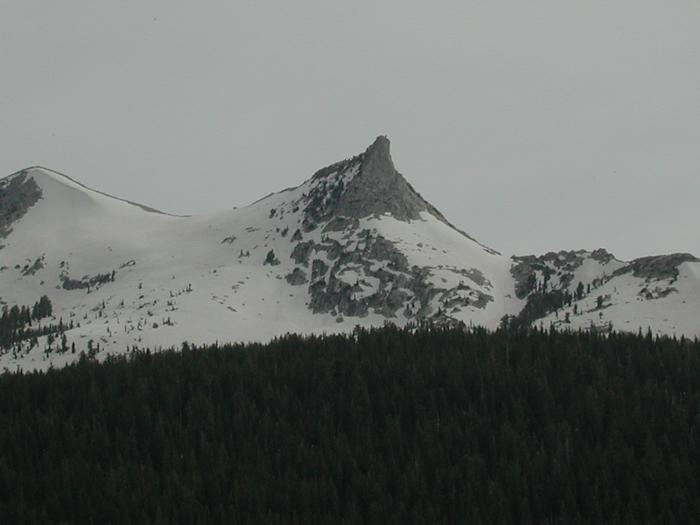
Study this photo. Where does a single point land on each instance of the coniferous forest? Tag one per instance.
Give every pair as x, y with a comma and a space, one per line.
421, 425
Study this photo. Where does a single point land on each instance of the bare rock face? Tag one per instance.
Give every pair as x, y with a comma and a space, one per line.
366, 185
658, 267
17, 195
297, 277
602, 255
375, 189
380, 189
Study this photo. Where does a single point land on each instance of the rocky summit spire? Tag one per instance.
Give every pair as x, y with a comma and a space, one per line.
374, 189
379, 189
377, 157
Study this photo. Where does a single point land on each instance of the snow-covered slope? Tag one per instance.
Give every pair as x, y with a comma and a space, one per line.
354, 244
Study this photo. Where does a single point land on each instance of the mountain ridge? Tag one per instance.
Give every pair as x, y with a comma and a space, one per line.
32, 170
353, 244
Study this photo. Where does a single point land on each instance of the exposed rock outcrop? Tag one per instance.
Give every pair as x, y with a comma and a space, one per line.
17, 194
658, 267
364, 186
297, 277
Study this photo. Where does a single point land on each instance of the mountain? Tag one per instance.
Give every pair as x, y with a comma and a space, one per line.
596, 290
354, 244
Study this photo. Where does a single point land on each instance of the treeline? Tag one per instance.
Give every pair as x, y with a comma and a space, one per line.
542, 300
421, 425
20, 323
19, 316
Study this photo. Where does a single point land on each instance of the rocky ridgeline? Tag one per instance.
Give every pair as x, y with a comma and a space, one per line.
549, 282
657, 267
562, 265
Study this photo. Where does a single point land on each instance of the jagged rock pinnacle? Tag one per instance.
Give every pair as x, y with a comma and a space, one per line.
379, 189
376, 189
379, 153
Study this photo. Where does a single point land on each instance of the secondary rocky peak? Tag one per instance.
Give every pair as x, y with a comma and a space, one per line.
658, 267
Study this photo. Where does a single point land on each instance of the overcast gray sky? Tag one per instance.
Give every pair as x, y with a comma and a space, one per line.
534, 126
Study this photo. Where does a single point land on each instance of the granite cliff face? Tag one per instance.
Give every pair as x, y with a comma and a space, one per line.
354, 244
